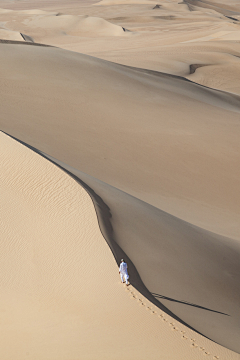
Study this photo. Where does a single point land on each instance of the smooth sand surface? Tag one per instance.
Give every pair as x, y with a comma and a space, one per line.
170, 259
167, 36
165, 140
61, 295
142, 116
10, 35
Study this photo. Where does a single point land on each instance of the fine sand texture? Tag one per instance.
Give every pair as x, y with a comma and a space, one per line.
60, 291
189, 270
163, 139
167, 36
119, 138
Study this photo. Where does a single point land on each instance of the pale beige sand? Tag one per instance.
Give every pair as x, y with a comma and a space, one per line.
60, 291
160, 130
64, 277
44, 25
169, 38
161, 138
170, 259
165, 140
10, 35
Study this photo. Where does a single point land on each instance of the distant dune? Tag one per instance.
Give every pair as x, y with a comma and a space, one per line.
124, 2
10, 35
119, 138
163, 36
37, 22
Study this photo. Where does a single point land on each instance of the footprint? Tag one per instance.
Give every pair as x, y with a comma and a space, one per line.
207, 353
193, 339
161, 315
171, 324
216, 357
153, 312
184, 337
202, 348
174, 328
164, 319
194, 345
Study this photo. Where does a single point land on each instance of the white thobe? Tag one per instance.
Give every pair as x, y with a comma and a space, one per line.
123, 272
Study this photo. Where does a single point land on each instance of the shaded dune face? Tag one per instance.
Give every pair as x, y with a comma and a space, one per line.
189, 270
159, 129
101, 161
224, 8
162, 124
59, 281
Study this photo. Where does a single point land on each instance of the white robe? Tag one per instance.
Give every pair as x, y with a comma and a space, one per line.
123, 272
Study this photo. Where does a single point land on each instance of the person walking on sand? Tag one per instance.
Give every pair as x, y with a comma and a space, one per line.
123, 272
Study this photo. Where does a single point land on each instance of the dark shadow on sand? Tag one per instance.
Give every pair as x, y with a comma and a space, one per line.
186, 303
104, 216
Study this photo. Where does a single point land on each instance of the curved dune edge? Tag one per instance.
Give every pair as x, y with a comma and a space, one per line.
10, 35
120, 217
60, 286
55, 24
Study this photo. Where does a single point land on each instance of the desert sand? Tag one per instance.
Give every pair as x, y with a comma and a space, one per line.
61, 296
120, 139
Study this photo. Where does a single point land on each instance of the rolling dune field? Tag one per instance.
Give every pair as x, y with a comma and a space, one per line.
119, 138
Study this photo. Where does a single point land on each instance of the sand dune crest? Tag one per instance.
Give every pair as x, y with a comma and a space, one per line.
59, 276
11, 35
126, 146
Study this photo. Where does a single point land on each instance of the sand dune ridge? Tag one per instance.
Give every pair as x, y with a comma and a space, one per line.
50, 281
126, 146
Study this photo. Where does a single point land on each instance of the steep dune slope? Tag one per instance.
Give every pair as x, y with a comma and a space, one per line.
165, 140
135, 161
60, 291
193, 272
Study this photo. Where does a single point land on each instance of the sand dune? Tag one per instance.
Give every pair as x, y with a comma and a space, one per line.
43, 25
167, 245
14, 36
228, 8
167, 37
96, 101
125, 146
60, 281
75, 25
124, 2
10, 35
93, 25
63, 287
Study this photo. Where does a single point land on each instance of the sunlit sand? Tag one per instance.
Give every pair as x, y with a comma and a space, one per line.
120, 139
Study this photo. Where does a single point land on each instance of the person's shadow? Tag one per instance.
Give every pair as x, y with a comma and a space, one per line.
158, 296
